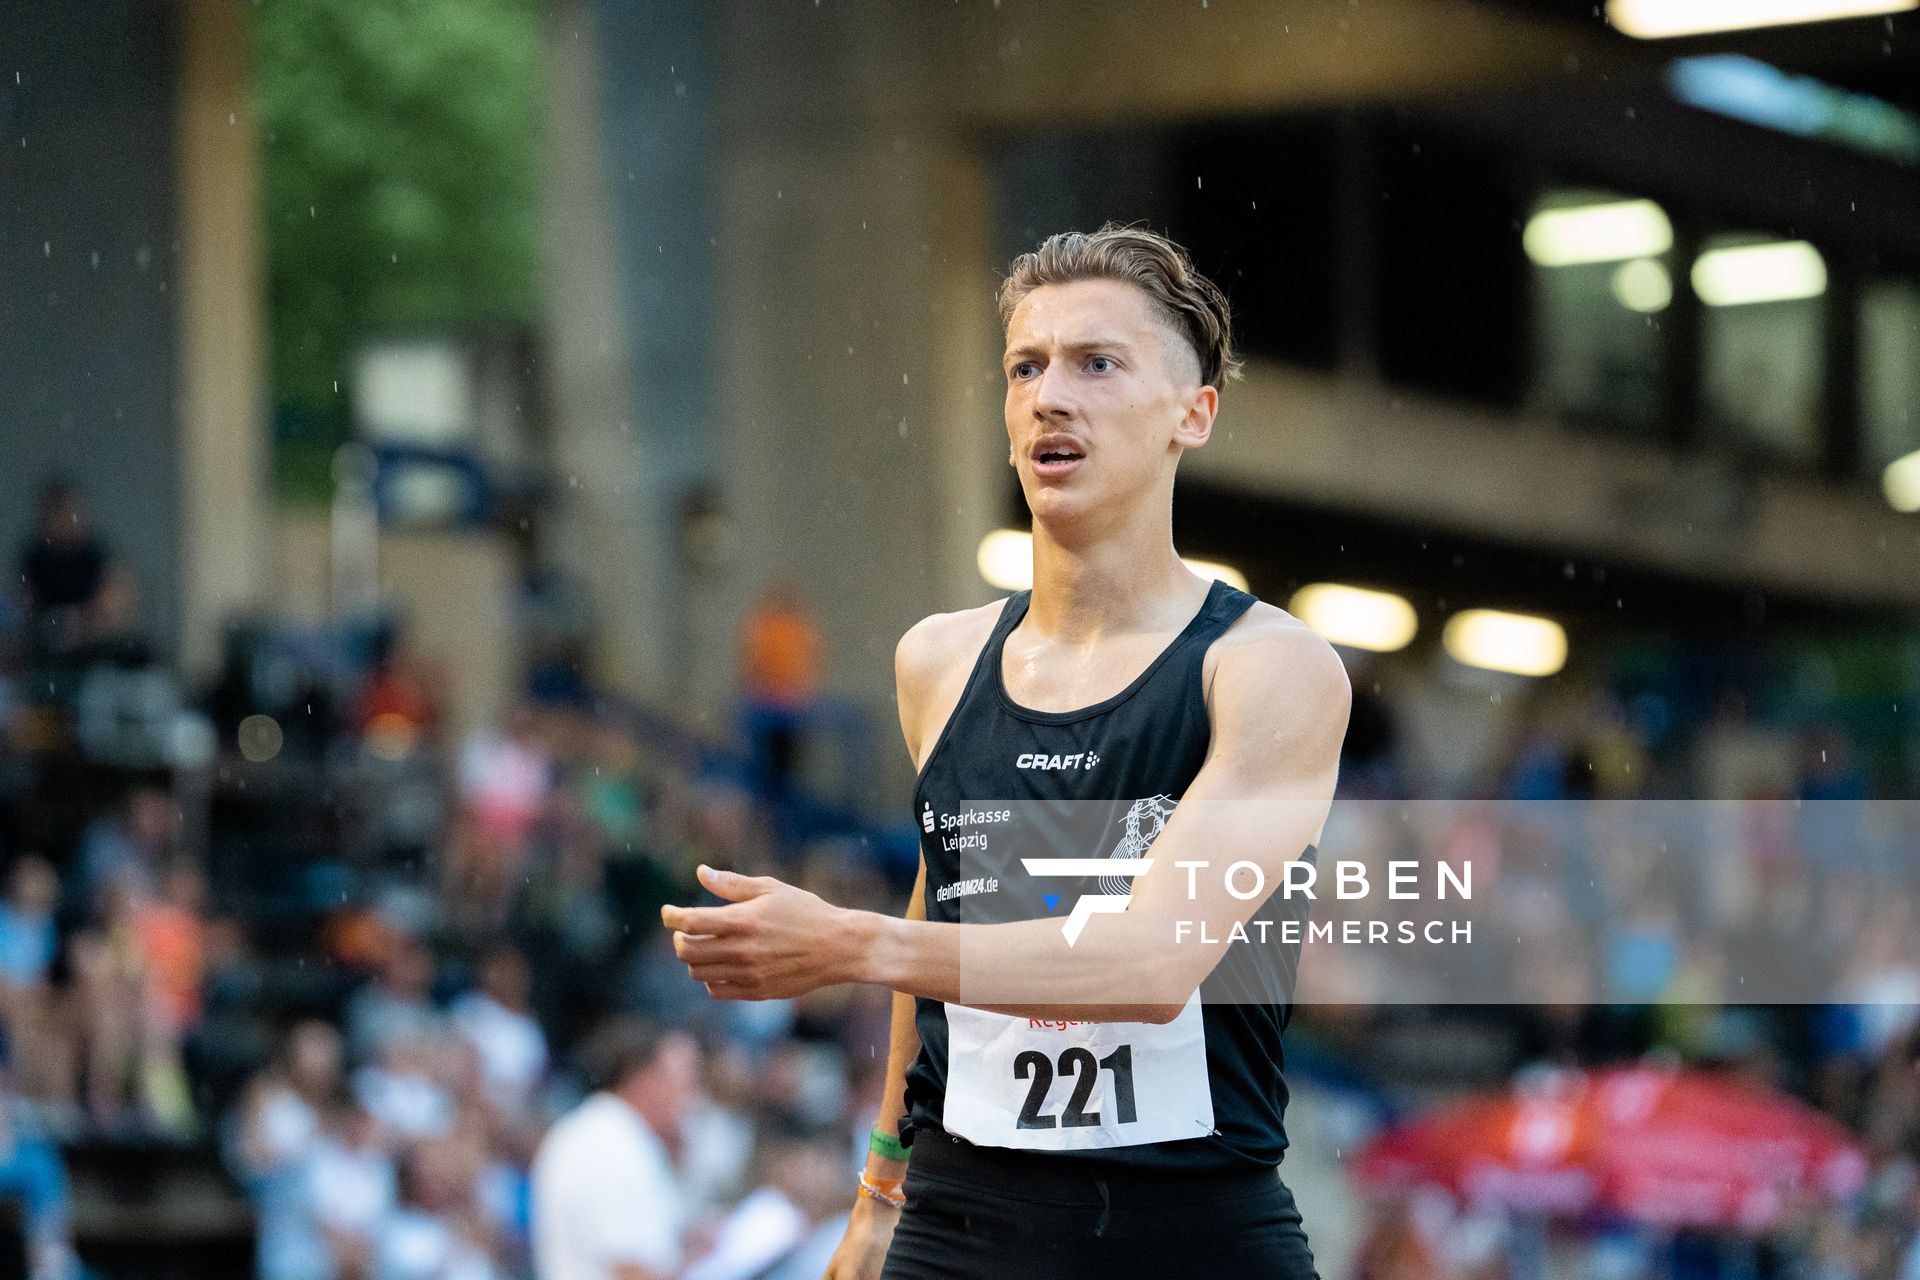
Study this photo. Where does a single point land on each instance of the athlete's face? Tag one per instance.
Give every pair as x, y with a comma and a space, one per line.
1102, 395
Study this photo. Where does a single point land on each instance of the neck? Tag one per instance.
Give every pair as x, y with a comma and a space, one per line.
1120, 579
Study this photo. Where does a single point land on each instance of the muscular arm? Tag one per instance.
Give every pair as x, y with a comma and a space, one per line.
1279, 709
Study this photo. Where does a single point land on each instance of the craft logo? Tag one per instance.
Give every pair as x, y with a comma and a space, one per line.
1041, 760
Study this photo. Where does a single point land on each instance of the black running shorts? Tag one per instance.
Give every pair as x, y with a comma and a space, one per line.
982, 1213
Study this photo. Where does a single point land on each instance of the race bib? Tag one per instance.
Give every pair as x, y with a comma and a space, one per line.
1037, 1085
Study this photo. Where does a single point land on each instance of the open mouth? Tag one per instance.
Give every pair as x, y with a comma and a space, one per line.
1055, 455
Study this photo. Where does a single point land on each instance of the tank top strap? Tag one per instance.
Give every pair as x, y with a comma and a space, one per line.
1011, 611
1225, 604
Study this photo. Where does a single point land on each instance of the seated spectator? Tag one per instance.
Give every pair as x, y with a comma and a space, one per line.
437, 1231
397, 1004
350, 1187
274, 1138
34, 1014
505, 781
138, 980
496, 1019
407, 1090
32, 1173
137, 841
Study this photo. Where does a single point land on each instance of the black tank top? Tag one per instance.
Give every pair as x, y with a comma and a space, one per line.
1143, 746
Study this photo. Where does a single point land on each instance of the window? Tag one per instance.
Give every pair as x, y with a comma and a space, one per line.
1601, 279
1889, 372
1762, 342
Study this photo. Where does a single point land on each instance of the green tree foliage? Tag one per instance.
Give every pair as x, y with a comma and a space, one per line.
400, 180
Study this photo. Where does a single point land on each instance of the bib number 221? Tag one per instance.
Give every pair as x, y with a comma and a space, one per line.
1037, 1067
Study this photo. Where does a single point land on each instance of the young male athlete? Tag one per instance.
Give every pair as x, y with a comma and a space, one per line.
1101, 1101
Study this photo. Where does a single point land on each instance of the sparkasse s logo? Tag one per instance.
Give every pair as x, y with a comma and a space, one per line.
1040, 760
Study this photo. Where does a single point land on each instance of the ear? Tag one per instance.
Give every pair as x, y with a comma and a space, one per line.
1196, 427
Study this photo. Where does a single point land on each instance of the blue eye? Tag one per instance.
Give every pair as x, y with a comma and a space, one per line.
1099, 360
1018, 369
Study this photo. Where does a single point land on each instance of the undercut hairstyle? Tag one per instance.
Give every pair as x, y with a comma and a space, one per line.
1190, 303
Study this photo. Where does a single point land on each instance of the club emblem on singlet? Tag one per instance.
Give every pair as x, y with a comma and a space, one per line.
1143, 823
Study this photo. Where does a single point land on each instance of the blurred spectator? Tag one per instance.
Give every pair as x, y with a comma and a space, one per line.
138, 983
62, 567
272, 1141
397, 1004
506, 779
34, 1014
28, 938
496, 1020
436, 1232
405, 1090
780, 661
130, 847
789, 1225
606, 1201
33, 1175
349, 1187
398, 709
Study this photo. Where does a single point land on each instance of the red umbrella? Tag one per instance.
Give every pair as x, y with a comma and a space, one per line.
1676, 1148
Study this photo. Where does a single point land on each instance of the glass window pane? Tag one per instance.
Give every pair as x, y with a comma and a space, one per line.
1600, 281
1890, 371
1763, 345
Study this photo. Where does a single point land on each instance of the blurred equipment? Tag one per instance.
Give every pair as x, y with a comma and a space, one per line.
1668, 1148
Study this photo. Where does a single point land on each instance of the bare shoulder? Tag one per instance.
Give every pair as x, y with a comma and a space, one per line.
933, 646
1275, 676
930, 667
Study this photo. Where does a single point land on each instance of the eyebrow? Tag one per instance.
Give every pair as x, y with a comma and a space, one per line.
1088, 344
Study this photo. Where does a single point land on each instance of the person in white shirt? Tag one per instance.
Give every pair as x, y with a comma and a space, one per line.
496, 1019
606, 1201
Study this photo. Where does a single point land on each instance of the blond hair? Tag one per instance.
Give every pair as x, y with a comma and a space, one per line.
1191, 303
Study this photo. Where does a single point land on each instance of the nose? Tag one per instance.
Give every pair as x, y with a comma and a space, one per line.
1053, 397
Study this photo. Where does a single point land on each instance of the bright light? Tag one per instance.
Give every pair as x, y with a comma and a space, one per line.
1214, 569
1643, 285
1779, 272
1901, 482
1513, 642
1005, 560
1656, 19
1354, 616
260, 738
1608, 232
1749, 90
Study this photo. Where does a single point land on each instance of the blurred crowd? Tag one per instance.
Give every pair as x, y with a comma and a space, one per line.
296, 919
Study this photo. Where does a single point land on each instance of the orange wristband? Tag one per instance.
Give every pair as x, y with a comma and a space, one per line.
891, 1191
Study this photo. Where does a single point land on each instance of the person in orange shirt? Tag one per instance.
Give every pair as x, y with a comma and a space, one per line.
780, 662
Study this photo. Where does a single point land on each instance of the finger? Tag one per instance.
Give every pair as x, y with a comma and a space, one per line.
727, 973
697, 950
733, 886
714, 922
